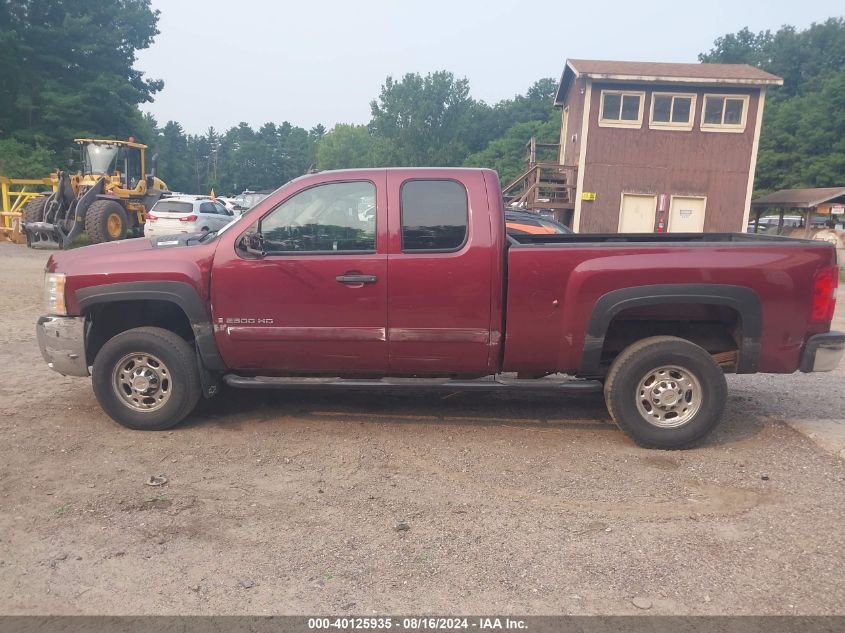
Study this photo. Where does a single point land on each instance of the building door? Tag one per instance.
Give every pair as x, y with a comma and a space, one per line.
564, 135
637, 212
686, 214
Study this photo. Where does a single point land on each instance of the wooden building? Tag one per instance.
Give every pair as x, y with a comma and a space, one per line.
651, 147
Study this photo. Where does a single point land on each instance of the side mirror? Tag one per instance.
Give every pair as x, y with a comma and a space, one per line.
253, 243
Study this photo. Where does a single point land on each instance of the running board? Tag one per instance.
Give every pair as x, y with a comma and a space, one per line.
488, 382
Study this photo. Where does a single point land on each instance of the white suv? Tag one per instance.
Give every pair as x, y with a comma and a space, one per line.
186, 214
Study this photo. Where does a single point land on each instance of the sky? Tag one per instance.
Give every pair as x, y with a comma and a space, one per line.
256, 61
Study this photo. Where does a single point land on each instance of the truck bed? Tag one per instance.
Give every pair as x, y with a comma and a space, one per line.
564, 293
651, 238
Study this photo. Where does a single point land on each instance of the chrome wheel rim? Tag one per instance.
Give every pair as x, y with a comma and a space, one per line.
668, 396
142, 382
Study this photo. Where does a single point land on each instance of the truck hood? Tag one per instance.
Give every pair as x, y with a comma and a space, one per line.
120, 264
104, 256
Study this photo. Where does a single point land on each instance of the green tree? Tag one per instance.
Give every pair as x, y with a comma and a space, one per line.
73, 68
18, 160
507, 154
421, 121
173, 167
346, 146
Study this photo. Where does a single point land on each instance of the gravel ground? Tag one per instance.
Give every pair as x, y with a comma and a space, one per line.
356, 503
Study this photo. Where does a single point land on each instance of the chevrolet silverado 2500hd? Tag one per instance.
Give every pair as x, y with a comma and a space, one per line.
407, 277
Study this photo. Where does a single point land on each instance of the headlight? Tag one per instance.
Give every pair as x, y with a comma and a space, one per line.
54, 293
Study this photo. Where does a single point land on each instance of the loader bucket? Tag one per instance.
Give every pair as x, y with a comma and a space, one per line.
69, 219
43, 235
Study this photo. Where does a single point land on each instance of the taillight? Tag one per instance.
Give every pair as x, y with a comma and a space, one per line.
825, 282
152, 217
189, 218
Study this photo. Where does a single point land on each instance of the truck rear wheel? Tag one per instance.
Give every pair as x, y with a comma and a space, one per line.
146, 378
105, 221
665, 392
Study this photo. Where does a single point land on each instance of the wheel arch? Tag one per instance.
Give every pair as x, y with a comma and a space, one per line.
744, 301
180, 301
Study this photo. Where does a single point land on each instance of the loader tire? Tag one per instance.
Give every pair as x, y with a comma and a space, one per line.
665, 392
33, 211
105, 221
146, 378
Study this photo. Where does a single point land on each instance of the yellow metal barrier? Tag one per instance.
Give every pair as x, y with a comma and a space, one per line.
14, 194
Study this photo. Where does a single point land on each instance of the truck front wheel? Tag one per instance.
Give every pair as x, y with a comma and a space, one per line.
146, 378
665, 392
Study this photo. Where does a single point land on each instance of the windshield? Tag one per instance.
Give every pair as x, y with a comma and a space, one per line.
99, 158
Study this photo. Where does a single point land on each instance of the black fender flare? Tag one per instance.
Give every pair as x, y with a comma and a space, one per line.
743, 300
180, 293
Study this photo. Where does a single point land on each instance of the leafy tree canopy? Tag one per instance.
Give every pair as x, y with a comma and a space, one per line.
68, 68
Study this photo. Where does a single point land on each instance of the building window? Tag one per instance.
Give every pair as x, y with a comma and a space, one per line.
671, 111
621, 109
434, 215
724, 113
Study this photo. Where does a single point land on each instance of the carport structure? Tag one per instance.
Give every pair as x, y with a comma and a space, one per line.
828, 201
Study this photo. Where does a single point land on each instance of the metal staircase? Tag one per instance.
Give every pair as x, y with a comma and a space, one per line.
545, 183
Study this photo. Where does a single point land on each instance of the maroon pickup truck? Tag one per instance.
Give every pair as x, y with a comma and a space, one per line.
407, 278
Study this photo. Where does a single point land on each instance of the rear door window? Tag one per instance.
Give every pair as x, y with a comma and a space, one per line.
434, 215
208, 207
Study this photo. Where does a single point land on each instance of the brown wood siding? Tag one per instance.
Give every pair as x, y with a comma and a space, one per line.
575, 101
711, 164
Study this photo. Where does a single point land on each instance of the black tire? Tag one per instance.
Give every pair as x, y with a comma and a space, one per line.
101, 221
33, 211
179, 360
638, 364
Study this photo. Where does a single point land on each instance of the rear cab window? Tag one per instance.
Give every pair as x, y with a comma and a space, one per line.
435, 216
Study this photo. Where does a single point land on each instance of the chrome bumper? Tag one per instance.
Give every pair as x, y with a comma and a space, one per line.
823, 352
62, 343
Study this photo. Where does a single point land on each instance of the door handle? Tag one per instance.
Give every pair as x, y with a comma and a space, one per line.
356, 279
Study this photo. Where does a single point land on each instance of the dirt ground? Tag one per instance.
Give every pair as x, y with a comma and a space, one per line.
360, 503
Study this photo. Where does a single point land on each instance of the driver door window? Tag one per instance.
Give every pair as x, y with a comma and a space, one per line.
335, 217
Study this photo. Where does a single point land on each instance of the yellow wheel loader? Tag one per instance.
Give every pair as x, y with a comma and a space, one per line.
108, 198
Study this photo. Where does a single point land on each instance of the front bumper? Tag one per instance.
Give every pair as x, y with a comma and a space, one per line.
62, 343
823, 352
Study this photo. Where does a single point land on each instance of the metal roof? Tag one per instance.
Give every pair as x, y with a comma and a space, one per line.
800, 198
687, 73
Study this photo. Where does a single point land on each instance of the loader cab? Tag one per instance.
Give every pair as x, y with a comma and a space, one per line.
112, 158
131, 167
99, 158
